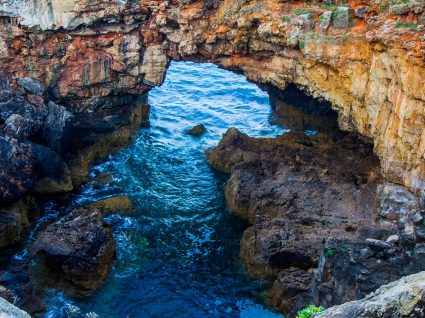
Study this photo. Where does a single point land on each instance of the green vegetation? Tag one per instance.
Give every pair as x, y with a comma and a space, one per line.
309, 311
345, 37
286, 19
301, 12
382, 8
330, 252
301, 44
409, 25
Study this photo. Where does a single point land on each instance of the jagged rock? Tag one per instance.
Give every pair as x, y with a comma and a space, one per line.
78, 249
402, 298
31, 85
7, 310
197, 130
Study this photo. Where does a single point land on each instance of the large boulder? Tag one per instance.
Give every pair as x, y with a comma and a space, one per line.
76, 250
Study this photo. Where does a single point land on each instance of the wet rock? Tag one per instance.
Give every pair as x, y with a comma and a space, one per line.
101, 180
10, 311
341, 17
77, 249
402, 298
197, 130
31, 85
120, 204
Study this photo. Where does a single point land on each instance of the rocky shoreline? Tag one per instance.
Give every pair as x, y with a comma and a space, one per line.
326, 227
334, 216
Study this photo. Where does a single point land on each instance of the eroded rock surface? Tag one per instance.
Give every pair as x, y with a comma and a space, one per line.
325, 228
78, 249
403, 298
366, 59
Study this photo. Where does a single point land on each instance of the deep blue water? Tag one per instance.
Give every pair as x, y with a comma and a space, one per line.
178, 253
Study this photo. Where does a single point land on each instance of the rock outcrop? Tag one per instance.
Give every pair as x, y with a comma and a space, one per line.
74, 80
366, 59
326, 228
77, 250
7, 310
403, 298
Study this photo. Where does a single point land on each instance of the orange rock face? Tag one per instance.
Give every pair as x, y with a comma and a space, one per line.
367, 59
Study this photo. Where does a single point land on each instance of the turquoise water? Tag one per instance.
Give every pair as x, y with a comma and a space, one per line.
177, 254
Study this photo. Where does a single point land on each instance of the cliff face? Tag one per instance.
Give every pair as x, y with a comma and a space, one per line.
365, 57
74, 77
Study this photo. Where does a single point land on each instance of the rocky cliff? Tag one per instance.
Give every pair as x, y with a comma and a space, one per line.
75, 75
365, 57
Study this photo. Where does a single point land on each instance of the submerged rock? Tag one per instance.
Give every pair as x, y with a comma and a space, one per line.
197, 131
119, 204
78, 249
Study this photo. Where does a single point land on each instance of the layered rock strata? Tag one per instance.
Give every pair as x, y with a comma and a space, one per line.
365, 58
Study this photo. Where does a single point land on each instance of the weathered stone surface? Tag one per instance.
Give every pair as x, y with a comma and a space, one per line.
402, 298
7, 310
77, 249
123, 46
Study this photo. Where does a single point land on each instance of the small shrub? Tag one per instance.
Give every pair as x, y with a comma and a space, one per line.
309, 311
345, 37
301, 44
330, 252
286, 19
382, 8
